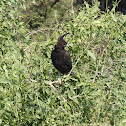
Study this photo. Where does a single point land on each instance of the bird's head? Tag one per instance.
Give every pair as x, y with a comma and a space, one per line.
61, 42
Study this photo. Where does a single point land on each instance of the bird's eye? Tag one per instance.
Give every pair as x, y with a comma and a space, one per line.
63, 44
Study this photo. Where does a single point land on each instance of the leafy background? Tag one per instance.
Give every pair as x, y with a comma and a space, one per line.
95, 95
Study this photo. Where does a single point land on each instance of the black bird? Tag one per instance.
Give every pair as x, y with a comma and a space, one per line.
60, 57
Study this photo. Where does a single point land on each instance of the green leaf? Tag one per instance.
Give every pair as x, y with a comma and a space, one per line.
92, 55
4, 81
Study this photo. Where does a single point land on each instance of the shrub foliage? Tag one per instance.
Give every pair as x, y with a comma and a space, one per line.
96, 94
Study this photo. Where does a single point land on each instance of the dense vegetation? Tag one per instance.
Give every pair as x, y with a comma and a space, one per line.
95, 95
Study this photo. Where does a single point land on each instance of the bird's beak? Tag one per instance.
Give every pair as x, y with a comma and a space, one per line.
67, 45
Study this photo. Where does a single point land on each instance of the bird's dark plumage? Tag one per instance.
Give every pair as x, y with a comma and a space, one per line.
61, 58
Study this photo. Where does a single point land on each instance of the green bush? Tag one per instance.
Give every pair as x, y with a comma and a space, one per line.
95, 95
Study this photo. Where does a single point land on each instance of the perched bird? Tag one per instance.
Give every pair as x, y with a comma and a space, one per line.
60, 57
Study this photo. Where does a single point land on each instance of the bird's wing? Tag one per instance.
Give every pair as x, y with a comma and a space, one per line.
66, 58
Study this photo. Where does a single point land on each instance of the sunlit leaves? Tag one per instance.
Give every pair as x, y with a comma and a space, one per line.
95, 94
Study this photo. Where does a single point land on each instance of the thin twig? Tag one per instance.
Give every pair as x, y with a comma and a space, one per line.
79, 58
51, 85
96, 72
72, 8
